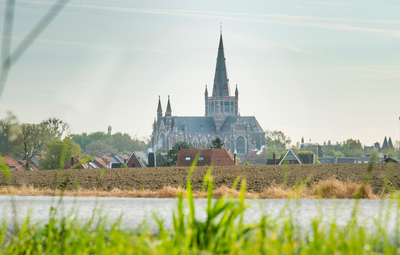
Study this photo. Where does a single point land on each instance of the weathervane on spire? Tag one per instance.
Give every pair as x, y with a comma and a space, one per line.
220, 27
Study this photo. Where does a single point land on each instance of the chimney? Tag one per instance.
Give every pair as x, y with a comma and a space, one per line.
273, 159
125, 161
212, 148
152, 159
72, 162
179, 148
385, 156
234, 159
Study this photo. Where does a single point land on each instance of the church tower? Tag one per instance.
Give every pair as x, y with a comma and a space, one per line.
221, 104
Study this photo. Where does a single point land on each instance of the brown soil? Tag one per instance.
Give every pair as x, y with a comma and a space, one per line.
258, 177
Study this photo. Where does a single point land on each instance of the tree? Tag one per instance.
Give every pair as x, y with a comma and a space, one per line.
83, 139
101, 146
217, 143
173, 153
334, 153
31, 140
55, 126
8, 133
352, 148
278, 139
121, 142
58, 153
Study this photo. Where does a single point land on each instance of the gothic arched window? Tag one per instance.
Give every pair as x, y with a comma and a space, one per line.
195, 142
240, 145
162, 140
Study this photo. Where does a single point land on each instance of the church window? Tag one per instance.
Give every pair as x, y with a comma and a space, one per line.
240, 145
232, 108
162, 138
195, 142
212, 130
225, 88
226, 107
222, 107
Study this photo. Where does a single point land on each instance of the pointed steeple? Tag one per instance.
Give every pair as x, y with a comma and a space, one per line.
385, 144
221, 81
159, 109
206, 93
390, 143
302, 140
168, 113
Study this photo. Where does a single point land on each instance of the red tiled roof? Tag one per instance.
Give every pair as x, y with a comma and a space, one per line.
124, 156
215, 157
99, 162
12, 164
76, 162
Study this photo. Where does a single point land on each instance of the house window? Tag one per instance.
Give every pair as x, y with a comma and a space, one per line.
201, 158
133, 164
187, 159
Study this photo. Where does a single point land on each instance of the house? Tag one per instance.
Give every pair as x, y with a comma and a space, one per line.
207, 157
344, 160
97, 162
257, 157
292, 157
75, 163
138, 159
390, 159
12, 164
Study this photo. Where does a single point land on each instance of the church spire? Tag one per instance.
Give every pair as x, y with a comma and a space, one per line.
168, 113
221, 81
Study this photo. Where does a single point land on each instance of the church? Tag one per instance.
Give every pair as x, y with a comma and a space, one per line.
222, 119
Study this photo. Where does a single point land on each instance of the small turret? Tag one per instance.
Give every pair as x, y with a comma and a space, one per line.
206, 93
159, 110
236, 93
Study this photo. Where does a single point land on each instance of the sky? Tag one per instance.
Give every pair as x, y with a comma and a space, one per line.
322, 70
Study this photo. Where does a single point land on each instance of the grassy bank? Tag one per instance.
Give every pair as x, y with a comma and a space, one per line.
324, 189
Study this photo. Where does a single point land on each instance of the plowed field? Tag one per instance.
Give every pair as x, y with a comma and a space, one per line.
257, 177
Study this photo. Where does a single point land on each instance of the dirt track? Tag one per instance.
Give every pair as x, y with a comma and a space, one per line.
258, 177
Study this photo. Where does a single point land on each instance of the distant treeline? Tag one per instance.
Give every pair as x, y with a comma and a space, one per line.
110, 143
